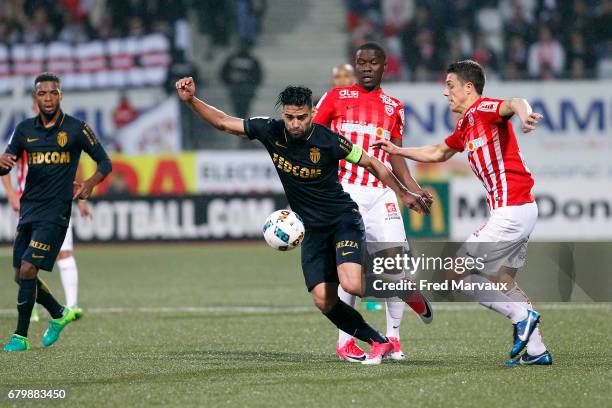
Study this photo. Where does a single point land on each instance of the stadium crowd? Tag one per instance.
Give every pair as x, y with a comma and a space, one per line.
512, 39
93, 43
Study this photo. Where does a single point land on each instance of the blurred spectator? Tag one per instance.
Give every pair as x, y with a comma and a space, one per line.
546, 56
249, 14
516, 58
73, 31
579, 50
124, 113
549, 13
518, 26
435, 32
397, 15
484, 55
215, 19
577, 69
242, 74
39, 29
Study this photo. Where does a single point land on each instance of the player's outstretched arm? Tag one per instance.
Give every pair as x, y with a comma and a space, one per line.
522, 108
185, 87
425, 154
380, 171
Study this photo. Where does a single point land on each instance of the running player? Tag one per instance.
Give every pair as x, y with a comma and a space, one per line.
66, 263
306, 158
362, 113
53, 141
484, 129
344, 75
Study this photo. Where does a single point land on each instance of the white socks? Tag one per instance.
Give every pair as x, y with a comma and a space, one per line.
70, 279
349, 300
497, 300
395, 311
535, 346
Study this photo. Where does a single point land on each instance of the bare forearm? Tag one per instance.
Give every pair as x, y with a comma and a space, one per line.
6, 182
521, 107
424, 154
215, 117
95, 179
402, 172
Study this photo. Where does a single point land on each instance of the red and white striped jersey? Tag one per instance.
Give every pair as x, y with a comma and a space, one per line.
493, 153
22, 172
361, 116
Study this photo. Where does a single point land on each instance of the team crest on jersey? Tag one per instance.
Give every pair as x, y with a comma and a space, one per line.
315, 155
62, 138
388, 101
487, 106
471, 119
389, 110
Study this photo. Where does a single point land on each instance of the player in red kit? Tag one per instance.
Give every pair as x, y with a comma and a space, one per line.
485, 131
363, 113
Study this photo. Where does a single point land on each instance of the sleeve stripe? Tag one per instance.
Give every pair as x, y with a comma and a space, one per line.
321, 100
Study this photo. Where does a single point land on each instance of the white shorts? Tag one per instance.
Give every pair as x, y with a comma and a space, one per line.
381, 214
68, 245
504, 237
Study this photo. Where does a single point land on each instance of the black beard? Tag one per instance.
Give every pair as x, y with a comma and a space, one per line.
300, 137
48, 116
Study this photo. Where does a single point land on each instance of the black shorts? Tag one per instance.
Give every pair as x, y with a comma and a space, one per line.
324, 249
38, 243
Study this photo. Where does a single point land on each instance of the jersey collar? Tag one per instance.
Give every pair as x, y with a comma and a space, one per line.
361, 89
472, 105
60, 119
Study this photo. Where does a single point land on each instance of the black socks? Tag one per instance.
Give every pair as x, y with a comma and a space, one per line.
46, 299
350, 321
26, 298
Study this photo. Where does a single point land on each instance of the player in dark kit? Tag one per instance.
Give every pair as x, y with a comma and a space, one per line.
53, 142
306, 158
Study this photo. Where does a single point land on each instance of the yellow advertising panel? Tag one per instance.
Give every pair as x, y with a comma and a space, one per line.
146, 174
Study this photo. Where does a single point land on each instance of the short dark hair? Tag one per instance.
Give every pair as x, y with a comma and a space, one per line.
47, 76
295, 95
469, 71
371, 45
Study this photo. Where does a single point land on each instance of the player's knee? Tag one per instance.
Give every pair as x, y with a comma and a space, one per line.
17, 276
27, 270
324, 304
353, 287
64, 254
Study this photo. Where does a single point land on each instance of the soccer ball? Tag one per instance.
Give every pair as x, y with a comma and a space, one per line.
283, 230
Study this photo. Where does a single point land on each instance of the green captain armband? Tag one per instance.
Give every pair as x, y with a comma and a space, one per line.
355, 155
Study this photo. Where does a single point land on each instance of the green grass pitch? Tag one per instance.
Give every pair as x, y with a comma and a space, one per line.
232, 325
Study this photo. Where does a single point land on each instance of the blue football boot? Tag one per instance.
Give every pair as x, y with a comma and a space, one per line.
526, 359
522, 332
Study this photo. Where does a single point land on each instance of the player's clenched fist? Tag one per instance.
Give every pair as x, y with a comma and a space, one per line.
185, 87
7, 161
